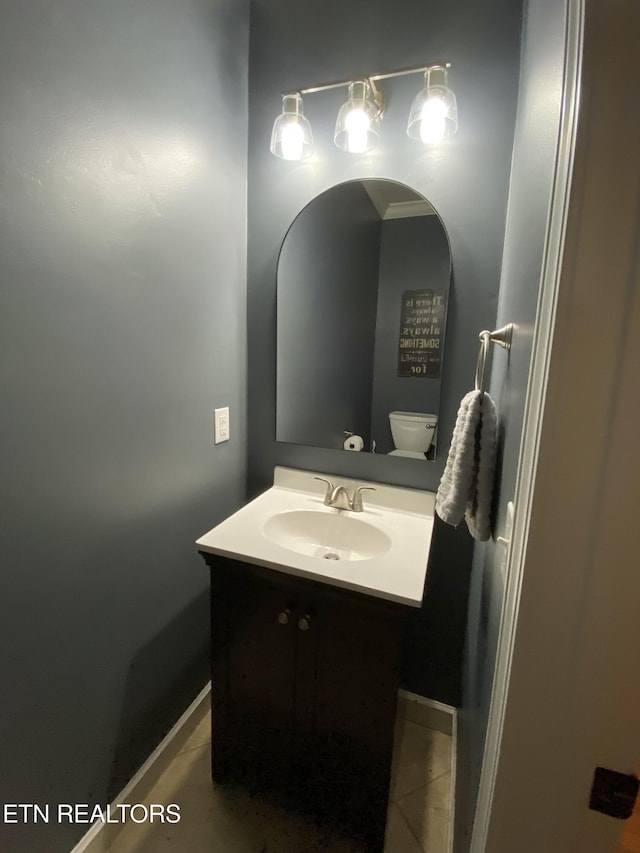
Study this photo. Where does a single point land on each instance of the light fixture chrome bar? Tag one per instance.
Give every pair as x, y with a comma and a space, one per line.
402, 72
414, 70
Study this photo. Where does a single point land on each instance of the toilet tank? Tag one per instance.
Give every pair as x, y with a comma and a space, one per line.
412, 430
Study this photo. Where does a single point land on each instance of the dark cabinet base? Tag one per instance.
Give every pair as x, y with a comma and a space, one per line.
305, 680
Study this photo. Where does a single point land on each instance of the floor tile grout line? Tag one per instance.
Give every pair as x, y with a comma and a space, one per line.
421, 785
410, 828
429, 808
408, 823
191, 748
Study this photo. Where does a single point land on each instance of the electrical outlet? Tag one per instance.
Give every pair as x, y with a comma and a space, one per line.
221, 425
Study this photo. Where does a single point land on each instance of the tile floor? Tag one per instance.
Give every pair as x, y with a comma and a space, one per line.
218, 820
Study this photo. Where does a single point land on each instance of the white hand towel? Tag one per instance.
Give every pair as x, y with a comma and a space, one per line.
466, 486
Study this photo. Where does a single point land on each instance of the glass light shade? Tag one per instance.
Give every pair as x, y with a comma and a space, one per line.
291, 137
358, 124
434, 112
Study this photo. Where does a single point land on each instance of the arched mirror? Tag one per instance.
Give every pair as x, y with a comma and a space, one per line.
363, 288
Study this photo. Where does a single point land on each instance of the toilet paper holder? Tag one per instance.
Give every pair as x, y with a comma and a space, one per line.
352, 441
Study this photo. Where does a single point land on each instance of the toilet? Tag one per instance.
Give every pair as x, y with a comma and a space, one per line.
412, 433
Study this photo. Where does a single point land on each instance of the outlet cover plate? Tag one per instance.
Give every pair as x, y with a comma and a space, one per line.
221, 425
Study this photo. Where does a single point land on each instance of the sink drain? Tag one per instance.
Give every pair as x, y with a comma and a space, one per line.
330, 556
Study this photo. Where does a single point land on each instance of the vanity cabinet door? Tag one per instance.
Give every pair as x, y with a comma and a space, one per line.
348, 672
304, 687
253, 657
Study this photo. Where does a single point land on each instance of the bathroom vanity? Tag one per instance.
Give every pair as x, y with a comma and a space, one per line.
308, 604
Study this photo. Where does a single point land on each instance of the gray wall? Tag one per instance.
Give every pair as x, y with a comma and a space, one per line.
535, 149
122, 325
326, 319
294, 45
414, 255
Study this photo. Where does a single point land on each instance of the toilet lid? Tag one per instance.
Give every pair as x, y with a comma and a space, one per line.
412, 454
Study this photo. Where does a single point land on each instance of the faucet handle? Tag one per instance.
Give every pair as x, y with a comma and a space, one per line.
327, 496
356, 501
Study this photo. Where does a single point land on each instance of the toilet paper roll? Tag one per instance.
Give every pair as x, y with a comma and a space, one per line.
354, 442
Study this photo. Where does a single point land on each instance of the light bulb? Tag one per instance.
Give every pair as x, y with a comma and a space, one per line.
357, 125
291, 137
433, 120
434, 112
292, 141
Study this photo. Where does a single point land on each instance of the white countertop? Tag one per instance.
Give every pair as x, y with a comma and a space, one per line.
404, 515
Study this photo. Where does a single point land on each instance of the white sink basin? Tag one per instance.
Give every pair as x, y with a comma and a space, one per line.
382, 551
330, 536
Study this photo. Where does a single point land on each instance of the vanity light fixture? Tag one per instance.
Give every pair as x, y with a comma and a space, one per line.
433, 116
434, 112
291, 137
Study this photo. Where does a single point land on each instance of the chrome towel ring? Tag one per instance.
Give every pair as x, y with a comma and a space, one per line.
500, 336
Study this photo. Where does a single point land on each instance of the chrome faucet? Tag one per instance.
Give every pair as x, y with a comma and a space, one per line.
338, 496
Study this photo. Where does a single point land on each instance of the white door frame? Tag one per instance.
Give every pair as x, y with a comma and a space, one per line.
574, 496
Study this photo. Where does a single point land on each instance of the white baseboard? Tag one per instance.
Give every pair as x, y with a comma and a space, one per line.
426, 712
102, 835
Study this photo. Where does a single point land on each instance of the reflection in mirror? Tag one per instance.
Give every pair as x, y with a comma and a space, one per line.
363, 286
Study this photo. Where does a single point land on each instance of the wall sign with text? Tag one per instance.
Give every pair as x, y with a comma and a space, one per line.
422, 321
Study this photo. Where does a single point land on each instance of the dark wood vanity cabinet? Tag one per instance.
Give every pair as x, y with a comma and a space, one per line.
305, 679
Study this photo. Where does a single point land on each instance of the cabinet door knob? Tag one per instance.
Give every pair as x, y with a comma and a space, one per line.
283, 616
304, 623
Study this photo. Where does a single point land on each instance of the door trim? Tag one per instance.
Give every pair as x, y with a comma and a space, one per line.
533, 416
